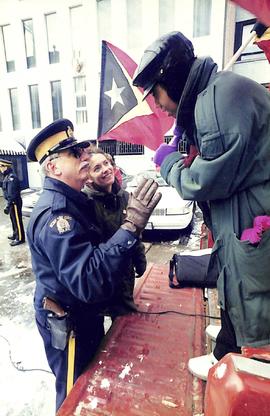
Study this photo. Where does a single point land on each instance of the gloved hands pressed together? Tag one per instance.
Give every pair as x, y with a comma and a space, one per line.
140, 206
165, 149
7, 210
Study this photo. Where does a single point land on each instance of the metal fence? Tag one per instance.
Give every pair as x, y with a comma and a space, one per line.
114, 147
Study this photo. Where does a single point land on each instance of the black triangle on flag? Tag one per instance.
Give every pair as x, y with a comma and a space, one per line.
116, 95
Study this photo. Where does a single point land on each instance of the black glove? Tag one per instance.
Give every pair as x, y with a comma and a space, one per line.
6, 210
140, 206
140, 269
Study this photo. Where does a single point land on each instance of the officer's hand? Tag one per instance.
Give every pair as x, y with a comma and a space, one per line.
140, 206
140, 269
6, 210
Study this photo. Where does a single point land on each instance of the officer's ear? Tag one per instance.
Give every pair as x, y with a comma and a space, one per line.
53, 167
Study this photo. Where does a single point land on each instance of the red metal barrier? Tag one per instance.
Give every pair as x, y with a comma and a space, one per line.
239, 386
141, 368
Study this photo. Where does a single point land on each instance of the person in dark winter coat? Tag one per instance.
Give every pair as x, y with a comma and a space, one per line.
12, 194
110, 203
75, 271
225, 119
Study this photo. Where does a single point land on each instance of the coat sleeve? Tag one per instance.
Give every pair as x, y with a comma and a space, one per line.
139, 259
227, 115
13, 190
88, 272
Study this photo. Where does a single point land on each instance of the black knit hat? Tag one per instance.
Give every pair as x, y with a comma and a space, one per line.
172, 50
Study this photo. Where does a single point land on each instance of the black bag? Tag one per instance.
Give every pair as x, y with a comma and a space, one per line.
193, 269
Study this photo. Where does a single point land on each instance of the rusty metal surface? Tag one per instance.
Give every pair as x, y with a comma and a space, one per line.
141, 369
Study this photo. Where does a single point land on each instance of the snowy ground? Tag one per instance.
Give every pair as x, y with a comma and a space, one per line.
26, 384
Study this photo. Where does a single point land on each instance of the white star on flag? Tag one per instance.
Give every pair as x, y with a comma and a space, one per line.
115, 94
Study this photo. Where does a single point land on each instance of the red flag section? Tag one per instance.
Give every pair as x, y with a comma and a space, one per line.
123, 116
264, 43
260, 8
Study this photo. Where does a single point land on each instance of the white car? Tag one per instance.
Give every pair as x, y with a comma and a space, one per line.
172, 212
29, 199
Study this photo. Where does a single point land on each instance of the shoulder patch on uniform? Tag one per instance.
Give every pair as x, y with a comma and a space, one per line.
62, 223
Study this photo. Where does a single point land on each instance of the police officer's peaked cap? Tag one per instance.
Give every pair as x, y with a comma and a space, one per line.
154, 61
54, 138
4, 162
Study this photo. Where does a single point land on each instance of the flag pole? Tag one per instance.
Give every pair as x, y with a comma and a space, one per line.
251, 37
257, 30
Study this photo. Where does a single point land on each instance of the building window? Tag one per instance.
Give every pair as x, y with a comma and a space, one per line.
35, 111
202, 18
134, 23
56, 99
242, 32
104, 19
52, 38
80, 93
77, 34
29, 43
9, 47
14, 104
166, 16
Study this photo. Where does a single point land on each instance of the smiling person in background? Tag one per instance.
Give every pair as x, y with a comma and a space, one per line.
76, 270
110, 203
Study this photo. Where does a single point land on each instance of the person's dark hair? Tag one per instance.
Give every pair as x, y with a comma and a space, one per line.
174, 76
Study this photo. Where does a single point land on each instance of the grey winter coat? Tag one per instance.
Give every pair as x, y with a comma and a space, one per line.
227, 117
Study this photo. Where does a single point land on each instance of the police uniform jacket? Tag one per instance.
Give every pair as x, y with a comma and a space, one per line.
11, 188
227, 116
70, 265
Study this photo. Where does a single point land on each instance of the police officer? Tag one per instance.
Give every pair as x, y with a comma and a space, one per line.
75, 274
12, 194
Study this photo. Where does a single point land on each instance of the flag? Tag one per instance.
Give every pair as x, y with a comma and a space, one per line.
260, 8
123, 116
263, 42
